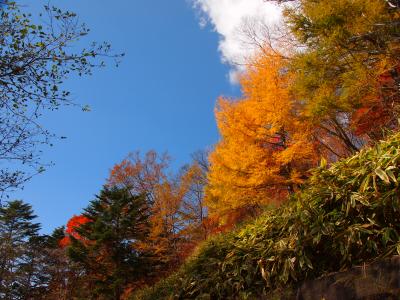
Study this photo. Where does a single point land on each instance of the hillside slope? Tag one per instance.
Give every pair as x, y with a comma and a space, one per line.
345, 215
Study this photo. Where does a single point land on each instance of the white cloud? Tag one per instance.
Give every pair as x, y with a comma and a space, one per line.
228, 17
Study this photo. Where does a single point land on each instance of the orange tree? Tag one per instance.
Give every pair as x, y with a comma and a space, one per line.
266, 149
176, 210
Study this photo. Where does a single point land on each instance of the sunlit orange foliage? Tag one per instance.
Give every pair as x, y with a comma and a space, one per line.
147, 175
266, 149
73, 223
166, 222
175, 206
140, 174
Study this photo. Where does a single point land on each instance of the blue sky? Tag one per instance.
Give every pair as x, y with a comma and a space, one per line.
161, 97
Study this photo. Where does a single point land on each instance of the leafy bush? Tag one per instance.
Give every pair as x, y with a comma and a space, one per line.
346, 214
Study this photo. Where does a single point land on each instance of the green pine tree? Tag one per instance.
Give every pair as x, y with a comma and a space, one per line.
117, 220
19, 236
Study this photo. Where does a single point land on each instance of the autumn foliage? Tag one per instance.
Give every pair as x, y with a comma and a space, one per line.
176, 209
266, 149
71, 230
380, 107
334, 91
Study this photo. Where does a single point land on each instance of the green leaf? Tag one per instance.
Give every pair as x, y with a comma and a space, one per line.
365, 183
382, 175
390, 173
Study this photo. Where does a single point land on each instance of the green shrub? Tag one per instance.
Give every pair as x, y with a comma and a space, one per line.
347, 214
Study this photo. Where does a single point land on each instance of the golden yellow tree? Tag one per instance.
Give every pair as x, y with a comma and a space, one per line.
265, 148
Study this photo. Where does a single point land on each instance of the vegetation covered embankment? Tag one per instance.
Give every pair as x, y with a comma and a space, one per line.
345, 215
